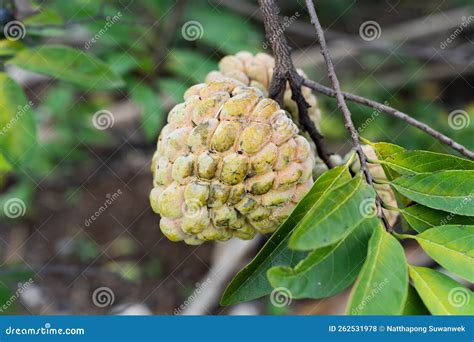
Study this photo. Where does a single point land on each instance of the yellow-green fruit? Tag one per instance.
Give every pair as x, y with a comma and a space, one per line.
229, 163
384, 191
256, 71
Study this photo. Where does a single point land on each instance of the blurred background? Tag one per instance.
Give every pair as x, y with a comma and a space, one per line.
77, 235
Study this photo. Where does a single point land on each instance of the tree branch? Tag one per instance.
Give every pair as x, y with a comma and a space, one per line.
285, 71
343, 107
394, 112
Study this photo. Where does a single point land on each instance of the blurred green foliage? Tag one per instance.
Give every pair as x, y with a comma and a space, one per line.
120, 43
121, 52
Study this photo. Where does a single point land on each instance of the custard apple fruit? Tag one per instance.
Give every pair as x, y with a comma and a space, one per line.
229, 163
256, 71
384, 191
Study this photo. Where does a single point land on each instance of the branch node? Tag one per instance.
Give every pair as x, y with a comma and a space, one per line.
284, 72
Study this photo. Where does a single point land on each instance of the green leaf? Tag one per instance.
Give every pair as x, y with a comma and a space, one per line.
421, 218
68, 64
382, 285
58, 101
414, 305
328, 270
450, 246
10, 47
334, 216
409, 162
114, 34
383, 151
122, 62
251, 282
223, 30
78, 9
5, 167
152, 115
444, 190
49, 32
47, 16
190, 65
441, 294
14, 280
17, 125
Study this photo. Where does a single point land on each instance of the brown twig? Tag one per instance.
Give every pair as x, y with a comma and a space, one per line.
343, 107
394, 112
285, 71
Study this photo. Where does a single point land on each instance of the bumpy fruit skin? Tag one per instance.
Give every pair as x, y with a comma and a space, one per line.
229, 163
384, 191
256, 71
